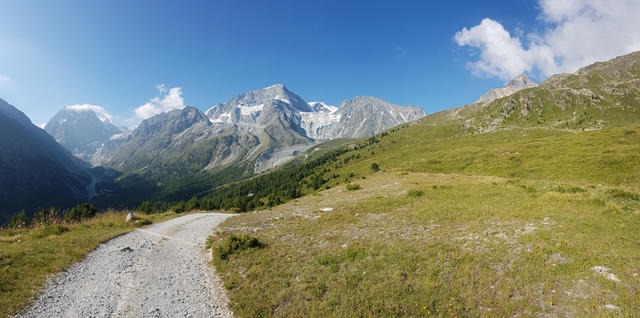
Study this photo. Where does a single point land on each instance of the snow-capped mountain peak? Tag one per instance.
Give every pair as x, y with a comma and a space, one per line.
276, 105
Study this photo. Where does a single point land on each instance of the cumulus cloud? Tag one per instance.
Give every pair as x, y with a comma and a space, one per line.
576, 33
103, 115
168, 100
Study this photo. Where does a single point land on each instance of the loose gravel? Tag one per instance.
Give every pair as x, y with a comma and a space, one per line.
159, 271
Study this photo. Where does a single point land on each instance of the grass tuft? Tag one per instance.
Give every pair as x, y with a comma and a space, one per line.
415, 193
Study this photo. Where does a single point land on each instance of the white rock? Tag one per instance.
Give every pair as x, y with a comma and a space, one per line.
129, 216
604, 271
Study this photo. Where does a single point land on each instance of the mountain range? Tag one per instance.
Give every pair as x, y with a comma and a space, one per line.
186, 151
245, 129
183, 152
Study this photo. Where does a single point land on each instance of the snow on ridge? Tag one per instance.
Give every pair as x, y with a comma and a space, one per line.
219, 119
329, 108
250, 110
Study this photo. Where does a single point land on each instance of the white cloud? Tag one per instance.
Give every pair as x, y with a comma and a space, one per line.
577, 33
4, 79
103, 115
168, 100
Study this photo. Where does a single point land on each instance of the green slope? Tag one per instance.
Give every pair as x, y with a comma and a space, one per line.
495, 210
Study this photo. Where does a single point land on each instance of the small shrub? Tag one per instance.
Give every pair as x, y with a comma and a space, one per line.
375, 167
179, 207
145, 222
144, 207
45, 217
353, 187
415, 193
19, 220
236, 243
80, 212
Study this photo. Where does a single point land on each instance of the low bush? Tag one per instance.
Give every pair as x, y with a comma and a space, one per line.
145, 207
179, 207
236, 243
353, 186
415, 193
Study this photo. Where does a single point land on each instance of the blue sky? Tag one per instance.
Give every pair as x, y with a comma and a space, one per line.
115, 53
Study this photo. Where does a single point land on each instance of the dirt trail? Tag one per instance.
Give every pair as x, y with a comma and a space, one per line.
159, 271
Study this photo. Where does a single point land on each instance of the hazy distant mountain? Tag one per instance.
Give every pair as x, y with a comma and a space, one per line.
81, 131
520, 82
35, 171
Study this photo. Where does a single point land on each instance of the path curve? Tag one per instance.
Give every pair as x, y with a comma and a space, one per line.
159, 271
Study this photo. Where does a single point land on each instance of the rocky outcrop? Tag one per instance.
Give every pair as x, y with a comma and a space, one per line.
519, 83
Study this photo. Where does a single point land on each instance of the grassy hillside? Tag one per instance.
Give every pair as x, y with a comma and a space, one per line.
29, 256
463, 225
525, 206
601, 95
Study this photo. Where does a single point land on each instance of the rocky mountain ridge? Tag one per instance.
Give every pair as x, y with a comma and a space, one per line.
520, 82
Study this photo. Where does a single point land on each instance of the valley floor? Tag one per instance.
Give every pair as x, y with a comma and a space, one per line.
419, 244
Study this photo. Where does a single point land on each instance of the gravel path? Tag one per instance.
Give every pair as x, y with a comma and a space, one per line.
158, 271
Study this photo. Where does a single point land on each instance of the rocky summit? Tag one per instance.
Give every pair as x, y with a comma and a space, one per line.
520, 82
